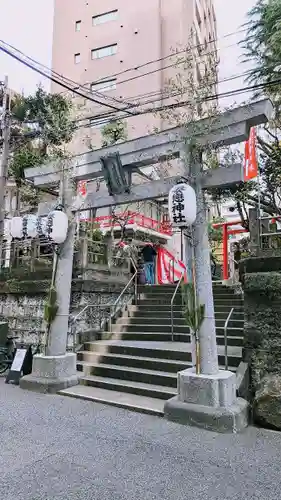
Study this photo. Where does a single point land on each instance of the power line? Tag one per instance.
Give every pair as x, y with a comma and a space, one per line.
50, 77
129, 105
164, 96
175, 54
61, 83
75, 91
64, 78
128, 113
146, 111
158, 109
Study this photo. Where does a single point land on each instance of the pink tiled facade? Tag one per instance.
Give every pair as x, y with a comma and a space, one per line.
133, 33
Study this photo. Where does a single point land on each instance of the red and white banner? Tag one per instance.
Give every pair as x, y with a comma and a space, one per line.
250, 160
169, 269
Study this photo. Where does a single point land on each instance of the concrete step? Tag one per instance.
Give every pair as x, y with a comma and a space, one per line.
165, 311
129, 386
131, 374
172, 351
170, 289
217, 293
90, 358
132, 402
154, 302
140, 323
233, 340
151, 363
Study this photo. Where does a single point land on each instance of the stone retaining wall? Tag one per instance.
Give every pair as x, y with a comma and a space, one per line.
262, 347
22, 305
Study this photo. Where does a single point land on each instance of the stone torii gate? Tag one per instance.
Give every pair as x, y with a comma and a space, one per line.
211, 388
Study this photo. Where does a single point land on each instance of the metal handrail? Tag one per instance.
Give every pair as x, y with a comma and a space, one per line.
127, 286
111, 306
172, 266
172, 304
225, 340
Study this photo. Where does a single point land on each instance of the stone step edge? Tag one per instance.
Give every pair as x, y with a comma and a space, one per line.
145, 346
142, 325
139, 358
236, 337
155, 360
132, 369
111, 402
167, 389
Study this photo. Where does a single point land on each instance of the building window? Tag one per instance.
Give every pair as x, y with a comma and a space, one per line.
104, 86
109, 50
78, 26
104, 18
77, 58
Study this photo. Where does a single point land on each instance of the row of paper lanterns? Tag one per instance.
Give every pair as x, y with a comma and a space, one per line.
53, 227
182, 212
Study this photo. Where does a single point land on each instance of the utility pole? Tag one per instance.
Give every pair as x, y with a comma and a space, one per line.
5, 132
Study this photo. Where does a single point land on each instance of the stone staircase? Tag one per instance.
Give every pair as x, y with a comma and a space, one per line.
137, 368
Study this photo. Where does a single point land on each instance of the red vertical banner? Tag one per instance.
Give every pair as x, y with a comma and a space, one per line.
250, 160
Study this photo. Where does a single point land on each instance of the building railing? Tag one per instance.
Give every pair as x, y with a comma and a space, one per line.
134, 218
30, 254
88, 253
269, 233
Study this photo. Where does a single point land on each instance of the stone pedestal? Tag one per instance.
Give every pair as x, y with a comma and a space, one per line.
51, 373
208, 401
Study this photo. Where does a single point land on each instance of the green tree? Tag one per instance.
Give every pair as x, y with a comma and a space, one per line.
114, 132
262, 44
215, 234
51, 114
41, 125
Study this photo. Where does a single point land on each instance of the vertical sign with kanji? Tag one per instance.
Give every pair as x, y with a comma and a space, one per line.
178, 207
250, 160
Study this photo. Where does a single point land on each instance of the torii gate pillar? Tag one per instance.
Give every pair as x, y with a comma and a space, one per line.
207, 399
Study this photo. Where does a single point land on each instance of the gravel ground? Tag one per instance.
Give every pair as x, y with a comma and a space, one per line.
57, 448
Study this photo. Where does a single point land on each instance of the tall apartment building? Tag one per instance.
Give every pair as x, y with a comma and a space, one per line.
121, 51
107, 45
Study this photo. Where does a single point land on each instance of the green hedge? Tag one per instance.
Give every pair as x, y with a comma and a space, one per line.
263, 283
260, 264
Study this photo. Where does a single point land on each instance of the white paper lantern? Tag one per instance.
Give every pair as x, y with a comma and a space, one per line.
57, 226
16, 228
31, 225
182, 205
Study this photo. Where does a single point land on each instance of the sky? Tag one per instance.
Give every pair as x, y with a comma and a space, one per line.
27, 25
231, 15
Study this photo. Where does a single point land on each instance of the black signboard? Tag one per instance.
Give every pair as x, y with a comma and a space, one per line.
21, 365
